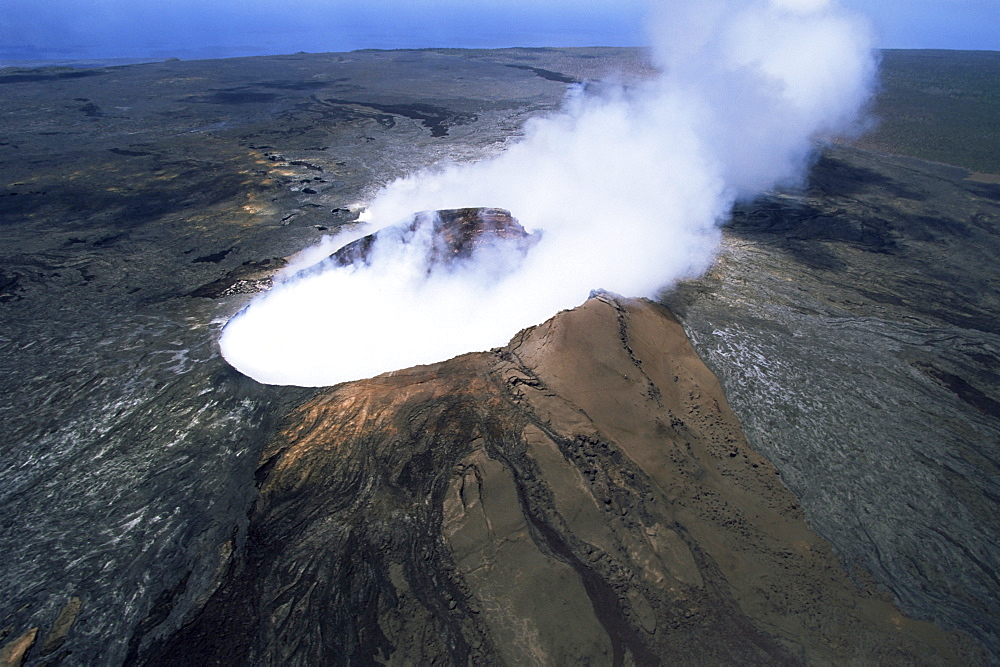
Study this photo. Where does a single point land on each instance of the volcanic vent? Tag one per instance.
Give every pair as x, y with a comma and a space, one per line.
449, 236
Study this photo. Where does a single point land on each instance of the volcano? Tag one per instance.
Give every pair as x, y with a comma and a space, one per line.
584, 494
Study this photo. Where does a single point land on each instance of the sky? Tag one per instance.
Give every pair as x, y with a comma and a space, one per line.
92, 29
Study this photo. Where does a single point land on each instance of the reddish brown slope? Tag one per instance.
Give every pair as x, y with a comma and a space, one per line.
583, 495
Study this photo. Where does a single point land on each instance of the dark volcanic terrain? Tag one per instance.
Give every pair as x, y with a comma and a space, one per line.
854, 328
589, 492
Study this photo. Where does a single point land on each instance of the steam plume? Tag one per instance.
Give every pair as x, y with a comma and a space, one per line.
628, 186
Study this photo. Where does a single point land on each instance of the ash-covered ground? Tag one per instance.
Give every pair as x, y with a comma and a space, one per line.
852, 327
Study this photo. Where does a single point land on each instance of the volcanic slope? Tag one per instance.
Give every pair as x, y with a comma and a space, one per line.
583, 495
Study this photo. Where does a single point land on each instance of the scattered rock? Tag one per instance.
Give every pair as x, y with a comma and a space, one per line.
61, 627
12, 653
248, 278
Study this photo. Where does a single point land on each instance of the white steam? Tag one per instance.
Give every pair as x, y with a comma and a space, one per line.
627, 187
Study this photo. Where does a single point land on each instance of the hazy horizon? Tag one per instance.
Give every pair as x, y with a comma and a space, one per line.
148, 30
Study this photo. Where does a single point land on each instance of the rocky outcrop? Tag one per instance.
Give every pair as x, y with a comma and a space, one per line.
583, 495
247, 278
